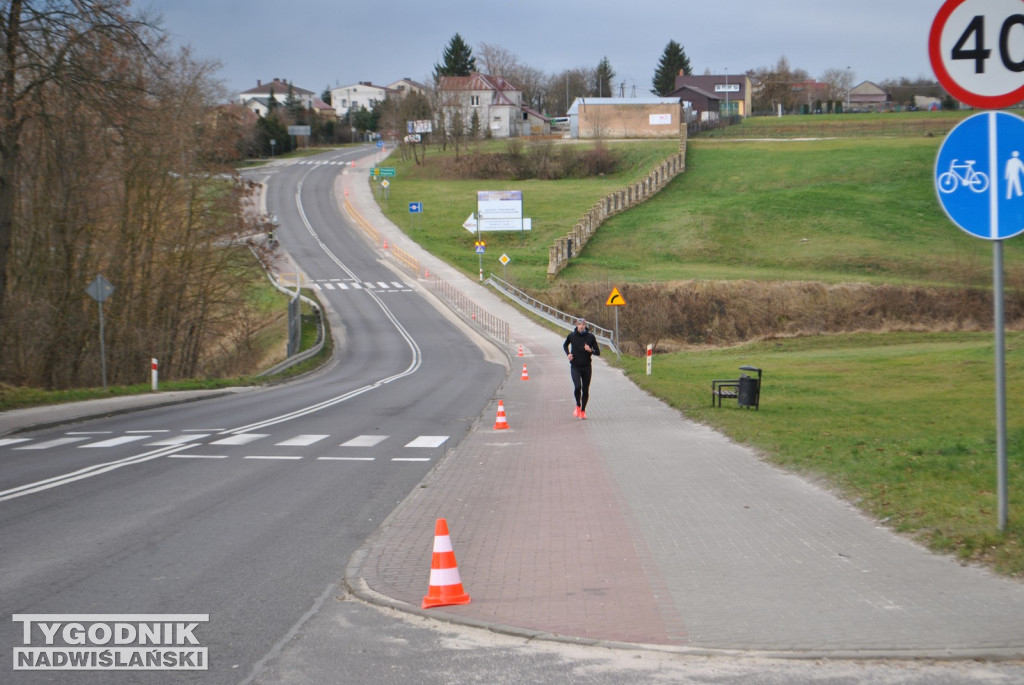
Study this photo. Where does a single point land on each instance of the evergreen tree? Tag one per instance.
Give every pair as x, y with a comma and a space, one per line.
458, 60
603, 77
673, 62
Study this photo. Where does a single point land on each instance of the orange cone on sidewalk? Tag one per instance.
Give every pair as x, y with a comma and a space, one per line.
385, 243
501, 423
520, 350
445, 583
525, 375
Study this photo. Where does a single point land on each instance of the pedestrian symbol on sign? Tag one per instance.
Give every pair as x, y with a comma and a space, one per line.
1014, 171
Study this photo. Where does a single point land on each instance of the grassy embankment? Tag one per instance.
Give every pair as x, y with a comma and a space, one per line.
901, 423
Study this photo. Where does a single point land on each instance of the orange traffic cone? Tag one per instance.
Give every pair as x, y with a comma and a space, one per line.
525, 375
385, 243
445, 583
501, 423
426, 273
520, 350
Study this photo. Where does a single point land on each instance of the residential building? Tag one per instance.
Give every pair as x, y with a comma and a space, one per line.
732, 91
280, 90
867, 96
355, 96
496, 103
705, 106
404, 86
651, 117
261, 106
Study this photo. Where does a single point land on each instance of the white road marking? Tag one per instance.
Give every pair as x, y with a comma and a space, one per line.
429, 441
302, 440
179, 439
240, 439
365, 441
345, 459
51, 443
114, 442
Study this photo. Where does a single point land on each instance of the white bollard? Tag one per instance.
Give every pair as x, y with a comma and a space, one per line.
154, 365
649, 360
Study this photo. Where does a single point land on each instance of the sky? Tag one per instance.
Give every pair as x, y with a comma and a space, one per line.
319, 44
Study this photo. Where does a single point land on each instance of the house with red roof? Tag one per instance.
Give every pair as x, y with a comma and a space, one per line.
495, 102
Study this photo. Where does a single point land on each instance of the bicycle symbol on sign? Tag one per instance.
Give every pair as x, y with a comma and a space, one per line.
963, 173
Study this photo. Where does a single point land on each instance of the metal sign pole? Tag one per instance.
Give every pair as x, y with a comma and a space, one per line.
997, 267
103, 351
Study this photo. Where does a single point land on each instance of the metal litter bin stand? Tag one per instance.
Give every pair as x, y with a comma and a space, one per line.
748, 394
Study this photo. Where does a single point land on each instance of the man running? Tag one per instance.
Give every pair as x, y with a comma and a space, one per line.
579, 346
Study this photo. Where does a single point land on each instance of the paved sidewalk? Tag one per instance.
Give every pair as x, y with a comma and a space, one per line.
640, 526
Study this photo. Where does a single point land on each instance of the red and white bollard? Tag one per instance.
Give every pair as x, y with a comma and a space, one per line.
153, 366
649, 360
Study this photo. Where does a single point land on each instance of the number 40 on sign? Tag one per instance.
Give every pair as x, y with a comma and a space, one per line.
976, 48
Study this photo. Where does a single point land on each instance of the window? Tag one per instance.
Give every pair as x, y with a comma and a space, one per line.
474, 100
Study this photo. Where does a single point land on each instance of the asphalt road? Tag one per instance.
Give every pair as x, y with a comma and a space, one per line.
244, 507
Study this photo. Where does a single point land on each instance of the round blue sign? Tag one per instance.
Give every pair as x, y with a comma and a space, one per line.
979, 175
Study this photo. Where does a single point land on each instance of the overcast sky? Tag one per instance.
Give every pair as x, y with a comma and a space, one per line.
317, 44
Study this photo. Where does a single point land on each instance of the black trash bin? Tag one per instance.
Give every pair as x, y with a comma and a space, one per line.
748, 394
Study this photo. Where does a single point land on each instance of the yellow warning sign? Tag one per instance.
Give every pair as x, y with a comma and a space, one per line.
615, 299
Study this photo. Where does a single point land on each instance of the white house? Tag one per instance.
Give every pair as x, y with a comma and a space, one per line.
363, 94
496, 103
279, 90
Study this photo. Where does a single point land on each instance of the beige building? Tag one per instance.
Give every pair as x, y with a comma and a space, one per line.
652, 117
867, 97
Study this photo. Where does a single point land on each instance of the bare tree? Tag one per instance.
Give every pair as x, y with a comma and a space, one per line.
111, 161
47, 45
839, 81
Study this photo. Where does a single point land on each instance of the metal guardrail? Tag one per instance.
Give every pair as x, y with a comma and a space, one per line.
561, 319
321, 331
490, 325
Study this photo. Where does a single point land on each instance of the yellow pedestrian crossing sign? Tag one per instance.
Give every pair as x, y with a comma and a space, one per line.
615, 299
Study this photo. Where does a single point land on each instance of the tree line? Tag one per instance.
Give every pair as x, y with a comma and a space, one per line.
552, 94
113, 162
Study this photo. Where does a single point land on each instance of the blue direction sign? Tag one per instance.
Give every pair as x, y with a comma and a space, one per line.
979, 175
415, 207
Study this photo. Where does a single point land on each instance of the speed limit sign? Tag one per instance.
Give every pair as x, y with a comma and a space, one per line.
976, 48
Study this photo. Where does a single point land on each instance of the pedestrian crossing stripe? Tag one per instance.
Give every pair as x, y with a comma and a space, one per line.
188, 439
